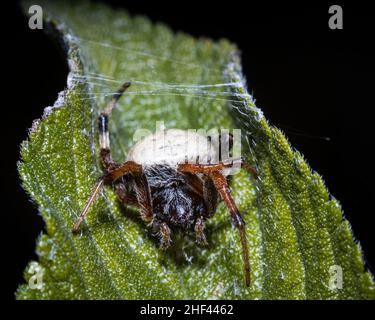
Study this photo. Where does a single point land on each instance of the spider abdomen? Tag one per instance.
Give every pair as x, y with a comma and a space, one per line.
173, 147
177, 198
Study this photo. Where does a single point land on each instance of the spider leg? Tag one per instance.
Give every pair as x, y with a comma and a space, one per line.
208, 168
249, 169
115, 171
125, 197
199, 231
143, 194
141, 189
98, 186
221, 185
209, 195
104, 142
165, 233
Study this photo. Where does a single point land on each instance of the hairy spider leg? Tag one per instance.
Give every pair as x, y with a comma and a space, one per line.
142, 190
143, 198
207, 168
221, 185
209, 195
115, 171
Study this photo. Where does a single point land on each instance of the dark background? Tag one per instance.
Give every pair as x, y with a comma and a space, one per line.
309, 80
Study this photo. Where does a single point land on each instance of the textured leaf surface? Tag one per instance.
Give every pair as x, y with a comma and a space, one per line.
296, 230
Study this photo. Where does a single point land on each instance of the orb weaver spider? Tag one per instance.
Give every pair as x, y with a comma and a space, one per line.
173, 185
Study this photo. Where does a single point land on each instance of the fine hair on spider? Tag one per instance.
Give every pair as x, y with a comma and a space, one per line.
173, 183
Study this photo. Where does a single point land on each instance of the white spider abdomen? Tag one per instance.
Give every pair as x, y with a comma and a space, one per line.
173, 147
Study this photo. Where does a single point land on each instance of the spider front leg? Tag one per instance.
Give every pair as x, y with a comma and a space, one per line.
104, 142
221, 185
141, 189
115, 171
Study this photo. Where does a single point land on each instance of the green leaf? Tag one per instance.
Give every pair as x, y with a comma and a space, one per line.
296, 231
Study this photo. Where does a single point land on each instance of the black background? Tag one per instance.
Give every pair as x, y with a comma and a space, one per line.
309, 80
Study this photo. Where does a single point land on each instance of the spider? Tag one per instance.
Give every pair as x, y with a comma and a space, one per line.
175, 185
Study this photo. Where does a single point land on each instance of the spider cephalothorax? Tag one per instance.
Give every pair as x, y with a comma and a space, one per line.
173, 178
173, 199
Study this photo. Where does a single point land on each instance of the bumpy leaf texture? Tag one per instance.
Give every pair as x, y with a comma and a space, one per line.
297, 235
